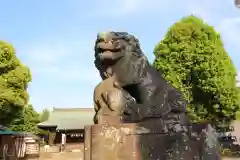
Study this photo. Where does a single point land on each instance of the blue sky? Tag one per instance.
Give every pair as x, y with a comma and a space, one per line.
55, 38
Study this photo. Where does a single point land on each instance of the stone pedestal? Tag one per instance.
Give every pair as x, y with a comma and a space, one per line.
113, 140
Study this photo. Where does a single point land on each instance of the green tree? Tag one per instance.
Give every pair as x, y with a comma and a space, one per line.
238, 112
27, 121
14, 79
44, 115
192, 58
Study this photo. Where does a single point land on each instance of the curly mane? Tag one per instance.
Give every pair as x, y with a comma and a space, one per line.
130, 51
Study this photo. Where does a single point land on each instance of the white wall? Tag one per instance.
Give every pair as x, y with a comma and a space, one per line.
236, 132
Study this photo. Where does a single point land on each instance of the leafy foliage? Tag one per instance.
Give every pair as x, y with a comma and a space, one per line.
14, 79
27, 121
192, 58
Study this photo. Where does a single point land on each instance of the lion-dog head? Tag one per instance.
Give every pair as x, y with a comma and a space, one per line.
111, 47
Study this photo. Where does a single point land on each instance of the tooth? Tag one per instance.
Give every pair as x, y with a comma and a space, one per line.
105, 46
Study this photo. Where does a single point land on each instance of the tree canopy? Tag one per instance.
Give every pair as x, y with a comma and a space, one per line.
27, 121
192, 58
14, 79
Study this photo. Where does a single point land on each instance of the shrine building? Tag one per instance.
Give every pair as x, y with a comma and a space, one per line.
70, 121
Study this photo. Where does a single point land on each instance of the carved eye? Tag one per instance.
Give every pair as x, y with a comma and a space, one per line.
117, 44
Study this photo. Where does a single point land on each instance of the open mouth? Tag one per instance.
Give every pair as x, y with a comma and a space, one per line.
107, 46
105, 51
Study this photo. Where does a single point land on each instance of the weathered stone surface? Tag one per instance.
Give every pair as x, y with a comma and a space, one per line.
109, 100
87, 143
147, 115
147, 140
133, 141
120, 53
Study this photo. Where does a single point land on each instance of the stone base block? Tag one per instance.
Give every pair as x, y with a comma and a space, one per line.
147, 141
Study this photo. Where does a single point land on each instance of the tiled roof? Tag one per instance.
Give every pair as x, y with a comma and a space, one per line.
69, 118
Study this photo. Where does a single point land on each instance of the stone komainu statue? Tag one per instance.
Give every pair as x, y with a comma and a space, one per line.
132, 88
118, 55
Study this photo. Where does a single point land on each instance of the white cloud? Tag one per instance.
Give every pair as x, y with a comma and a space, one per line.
199, 11
143, 6
212, 12
62, 61
49, 58
69, 60
127, 6
46, 54
121, 8
86, 74
61, 64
